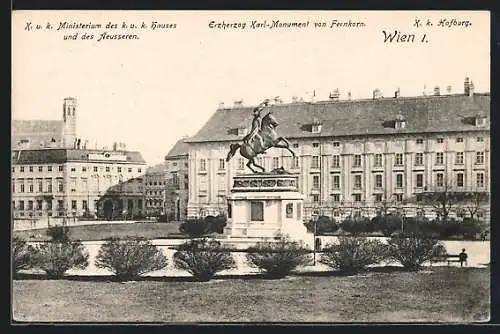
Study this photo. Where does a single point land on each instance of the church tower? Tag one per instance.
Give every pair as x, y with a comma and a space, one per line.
69, 127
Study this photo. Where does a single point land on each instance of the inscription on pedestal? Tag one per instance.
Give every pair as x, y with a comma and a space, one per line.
265, 182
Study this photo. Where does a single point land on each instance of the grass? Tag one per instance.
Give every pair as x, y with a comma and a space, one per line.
104, 231
440, 295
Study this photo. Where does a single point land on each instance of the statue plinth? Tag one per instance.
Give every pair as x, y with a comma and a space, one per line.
263, 206
265, 182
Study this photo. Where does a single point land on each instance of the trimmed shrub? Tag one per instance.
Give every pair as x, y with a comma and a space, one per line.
387, 224
470, 228
55, 258
130, 258
324, 224
216, 224
58, 233
278, 258
413, 250
23, 255
356, 225
448, 228
422, 226
195, 228
203, 258
353, 254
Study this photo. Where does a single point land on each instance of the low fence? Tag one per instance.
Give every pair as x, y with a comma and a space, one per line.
30, 224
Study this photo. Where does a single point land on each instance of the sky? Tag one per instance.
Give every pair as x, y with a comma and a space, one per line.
149, 92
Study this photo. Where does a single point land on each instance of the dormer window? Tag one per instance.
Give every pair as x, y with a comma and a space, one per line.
480, 120
316, 126
400, 122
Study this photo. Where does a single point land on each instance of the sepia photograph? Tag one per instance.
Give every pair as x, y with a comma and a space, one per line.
250, 167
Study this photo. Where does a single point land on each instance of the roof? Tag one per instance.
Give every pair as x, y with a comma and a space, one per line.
181, 148
156, 169
49, 155
129, 188
38, 132
423, 114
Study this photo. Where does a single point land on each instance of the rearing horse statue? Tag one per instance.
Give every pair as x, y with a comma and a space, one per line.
260, 139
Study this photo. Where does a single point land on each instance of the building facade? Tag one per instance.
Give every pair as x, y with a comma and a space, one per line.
154, 190
70, 182
177, 181
355, 156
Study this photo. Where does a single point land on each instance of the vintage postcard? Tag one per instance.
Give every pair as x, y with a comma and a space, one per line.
250, 166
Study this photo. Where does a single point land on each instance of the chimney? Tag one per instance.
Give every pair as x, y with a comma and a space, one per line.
313, 97
468, 87
349, 95
437, 91
448, 89
334, 96
78, 142
377, 94
115, 146
397, 93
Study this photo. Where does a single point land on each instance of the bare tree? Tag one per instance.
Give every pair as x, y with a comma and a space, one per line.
442, 201
446, 200
474, 203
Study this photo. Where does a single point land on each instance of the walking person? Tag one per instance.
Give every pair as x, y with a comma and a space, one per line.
462, 257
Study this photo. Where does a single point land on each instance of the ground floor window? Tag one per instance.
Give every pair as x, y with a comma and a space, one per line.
289, 210
257, 211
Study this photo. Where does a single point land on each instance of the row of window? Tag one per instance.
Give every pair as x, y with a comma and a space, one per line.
358, 198
419, 181
357, 160
30, 187
154, 202
378, 182
155, 183
156, 192
419, 141
38, 205
72, 169
398, 159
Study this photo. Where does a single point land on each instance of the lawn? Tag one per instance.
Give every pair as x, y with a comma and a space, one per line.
104, 231
437, 295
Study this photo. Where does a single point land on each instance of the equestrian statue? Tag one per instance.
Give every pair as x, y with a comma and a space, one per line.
261, 137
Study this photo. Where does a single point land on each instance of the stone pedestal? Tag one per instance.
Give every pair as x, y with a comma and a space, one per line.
264, 206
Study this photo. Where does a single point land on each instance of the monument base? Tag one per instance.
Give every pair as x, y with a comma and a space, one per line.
264, 207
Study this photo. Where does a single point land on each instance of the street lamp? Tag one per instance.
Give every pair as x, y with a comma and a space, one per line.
314, 219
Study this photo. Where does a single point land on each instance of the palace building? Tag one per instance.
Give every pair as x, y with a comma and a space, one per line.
55, 175
352, 155
72, 182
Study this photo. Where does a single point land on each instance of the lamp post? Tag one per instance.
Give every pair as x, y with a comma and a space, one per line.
315, 219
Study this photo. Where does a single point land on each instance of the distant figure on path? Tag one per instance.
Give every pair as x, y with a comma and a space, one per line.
462, 257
